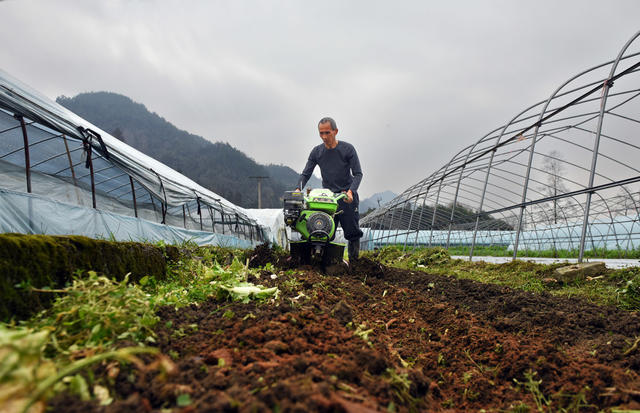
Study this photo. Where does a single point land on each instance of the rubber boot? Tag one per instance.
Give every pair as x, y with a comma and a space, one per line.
354, 250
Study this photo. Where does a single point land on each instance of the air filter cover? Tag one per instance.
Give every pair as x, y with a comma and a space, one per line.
320, 221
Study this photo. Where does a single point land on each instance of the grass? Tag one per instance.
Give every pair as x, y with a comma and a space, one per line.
620, 288
400, 387
560, 402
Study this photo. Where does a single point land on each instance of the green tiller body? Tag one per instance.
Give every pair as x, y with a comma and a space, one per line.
313, 217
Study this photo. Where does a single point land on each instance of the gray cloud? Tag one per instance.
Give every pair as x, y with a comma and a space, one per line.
410, 83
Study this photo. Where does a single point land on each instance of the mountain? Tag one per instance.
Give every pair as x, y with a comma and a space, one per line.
217, 166
375, 200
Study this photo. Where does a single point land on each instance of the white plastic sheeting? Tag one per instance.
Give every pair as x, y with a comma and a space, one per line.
602, 234
59, 190
276, 232
378, 238
34, 214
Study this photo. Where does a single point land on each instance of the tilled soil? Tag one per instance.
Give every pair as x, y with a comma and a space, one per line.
373, 338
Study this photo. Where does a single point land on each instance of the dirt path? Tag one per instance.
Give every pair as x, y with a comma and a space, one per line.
383, 339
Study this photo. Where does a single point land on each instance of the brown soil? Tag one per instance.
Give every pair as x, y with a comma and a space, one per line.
373, 338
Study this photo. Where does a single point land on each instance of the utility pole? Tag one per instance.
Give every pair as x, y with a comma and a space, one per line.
259, 178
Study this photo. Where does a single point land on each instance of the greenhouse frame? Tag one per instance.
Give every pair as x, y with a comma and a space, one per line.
561, 175
61, 175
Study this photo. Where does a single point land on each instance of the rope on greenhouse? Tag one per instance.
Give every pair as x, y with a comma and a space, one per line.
95, 134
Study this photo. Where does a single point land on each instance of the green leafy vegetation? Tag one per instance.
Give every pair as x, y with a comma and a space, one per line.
194, 280
27, 377
97, 312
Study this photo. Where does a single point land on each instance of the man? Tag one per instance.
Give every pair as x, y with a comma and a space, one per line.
340, 169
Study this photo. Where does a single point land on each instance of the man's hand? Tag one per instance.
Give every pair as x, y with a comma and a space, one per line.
349, 197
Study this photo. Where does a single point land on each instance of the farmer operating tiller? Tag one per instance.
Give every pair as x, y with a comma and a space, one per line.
341, 176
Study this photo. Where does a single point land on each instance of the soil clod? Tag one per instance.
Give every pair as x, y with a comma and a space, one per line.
342, 312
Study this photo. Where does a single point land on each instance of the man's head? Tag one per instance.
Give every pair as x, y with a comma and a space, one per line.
328, 131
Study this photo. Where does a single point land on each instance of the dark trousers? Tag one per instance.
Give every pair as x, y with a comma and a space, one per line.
349, 218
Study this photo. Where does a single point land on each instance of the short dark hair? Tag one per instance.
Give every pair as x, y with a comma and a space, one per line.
329, 120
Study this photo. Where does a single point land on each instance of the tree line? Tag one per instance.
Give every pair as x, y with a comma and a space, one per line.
423, 218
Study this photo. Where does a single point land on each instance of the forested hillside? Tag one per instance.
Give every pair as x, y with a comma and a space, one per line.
217, 166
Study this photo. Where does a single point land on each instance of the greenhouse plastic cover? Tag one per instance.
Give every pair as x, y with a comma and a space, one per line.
22, 213
273, 220
158, 179
178, 188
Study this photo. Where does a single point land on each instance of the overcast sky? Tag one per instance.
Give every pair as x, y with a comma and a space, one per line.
410, 83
